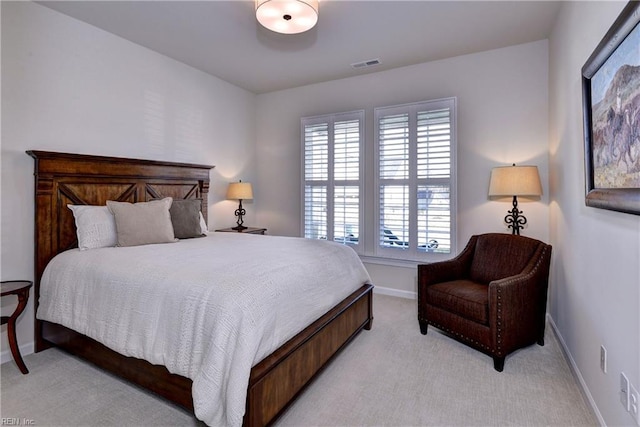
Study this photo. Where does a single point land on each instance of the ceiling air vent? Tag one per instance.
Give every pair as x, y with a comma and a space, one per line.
364, 64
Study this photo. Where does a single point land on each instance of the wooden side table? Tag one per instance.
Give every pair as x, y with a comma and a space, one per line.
248, 230
20, 288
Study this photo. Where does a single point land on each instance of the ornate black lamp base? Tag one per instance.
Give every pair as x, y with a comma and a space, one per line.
240, 212
515, 219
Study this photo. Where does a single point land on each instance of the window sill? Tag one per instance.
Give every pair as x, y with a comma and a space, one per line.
407, 263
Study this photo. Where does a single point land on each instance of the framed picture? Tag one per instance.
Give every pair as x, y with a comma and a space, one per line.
611, 113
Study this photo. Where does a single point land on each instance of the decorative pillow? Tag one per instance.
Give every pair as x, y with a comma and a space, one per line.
143, 223
185, 217
95, 226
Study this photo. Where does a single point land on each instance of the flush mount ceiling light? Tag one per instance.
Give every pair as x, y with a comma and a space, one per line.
287, 16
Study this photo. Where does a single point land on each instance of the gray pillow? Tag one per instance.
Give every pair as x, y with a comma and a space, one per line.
185, 217
143, 223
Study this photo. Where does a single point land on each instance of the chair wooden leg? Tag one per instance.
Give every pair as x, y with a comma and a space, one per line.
423, 327
498, 363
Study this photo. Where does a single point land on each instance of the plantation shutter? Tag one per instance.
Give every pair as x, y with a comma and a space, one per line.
434, 175
332, 171
415, 178
393, 138
316, 170
346, 196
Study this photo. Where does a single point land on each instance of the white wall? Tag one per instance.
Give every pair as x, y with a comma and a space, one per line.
68, 86
502, 119
595, 297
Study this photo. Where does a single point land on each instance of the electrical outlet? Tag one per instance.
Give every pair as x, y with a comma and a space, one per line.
603, 359
624, 391
633, 403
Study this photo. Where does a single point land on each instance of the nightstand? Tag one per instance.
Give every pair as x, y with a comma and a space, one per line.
248, 230
20, 288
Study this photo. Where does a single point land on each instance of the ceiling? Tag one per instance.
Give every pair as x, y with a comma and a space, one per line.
224, 39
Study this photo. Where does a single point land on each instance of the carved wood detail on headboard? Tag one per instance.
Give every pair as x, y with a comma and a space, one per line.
64, 178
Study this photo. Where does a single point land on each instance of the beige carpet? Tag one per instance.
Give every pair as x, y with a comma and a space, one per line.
391, 375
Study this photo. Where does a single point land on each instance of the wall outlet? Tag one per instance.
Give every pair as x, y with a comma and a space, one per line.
633, 403
624, 391
603, 359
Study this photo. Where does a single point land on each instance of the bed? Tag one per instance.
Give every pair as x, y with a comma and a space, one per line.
274, 382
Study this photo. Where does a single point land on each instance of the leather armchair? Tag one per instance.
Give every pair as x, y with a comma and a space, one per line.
492, 296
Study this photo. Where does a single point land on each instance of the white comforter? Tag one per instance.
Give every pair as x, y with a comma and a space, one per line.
207, 309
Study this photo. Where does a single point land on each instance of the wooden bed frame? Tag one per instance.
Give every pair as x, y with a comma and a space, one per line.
62, 178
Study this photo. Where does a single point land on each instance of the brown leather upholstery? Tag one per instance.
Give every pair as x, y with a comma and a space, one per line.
469, 299
492, 296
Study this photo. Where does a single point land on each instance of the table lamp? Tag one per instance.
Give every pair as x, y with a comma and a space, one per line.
515, 181
240, 191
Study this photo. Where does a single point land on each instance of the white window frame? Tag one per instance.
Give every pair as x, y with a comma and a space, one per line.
411, 252
331, 182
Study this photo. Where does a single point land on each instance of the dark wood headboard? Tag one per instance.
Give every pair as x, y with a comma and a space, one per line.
63, 178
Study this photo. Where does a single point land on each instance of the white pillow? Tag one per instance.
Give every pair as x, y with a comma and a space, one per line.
203, 225
95, 226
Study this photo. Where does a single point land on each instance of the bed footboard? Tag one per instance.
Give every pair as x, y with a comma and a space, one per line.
274, 383
277, 380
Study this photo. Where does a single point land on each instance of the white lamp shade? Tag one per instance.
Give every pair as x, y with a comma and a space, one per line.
287, 16
239, 191
515, 181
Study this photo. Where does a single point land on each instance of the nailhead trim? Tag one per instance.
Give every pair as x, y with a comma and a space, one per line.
499, 290
498, 352
499, 319
464, 338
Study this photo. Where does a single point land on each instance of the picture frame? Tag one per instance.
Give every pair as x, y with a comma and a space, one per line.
611, 116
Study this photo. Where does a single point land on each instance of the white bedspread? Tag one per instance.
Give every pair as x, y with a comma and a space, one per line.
207, 309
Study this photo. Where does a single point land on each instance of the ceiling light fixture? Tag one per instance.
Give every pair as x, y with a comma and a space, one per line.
287, 16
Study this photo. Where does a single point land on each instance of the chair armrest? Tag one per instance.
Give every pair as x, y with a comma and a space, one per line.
519, 302
534, 277
438, 272
444, 271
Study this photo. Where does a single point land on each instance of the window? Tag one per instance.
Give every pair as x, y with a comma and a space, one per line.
413, 192
332, 177
415, 174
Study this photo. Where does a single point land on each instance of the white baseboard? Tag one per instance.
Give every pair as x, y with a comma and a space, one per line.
394, 292
25, 349
576, 372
